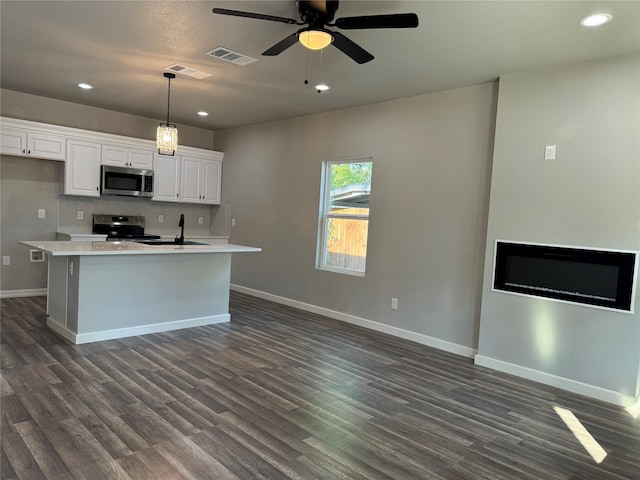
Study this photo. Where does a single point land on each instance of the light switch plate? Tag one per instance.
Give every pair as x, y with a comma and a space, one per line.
550, 152
41, 213
80, 215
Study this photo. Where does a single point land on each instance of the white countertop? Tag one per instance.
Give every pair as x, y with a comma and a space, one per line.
65, 249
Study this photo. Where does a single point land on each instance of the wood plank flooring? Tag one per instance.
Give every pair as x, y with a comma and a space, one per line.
282, 394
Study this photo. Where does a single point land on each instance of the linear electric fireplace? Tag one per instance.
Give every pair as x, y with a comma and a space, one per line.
601, 278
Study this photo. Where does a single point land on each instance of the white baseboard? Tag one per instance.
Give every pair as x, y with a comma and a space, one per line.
573, 386
79, 338
27, 292
362, 322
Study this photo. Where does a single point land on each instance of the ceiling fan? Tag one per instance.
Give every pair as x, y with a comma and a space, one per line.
318, 14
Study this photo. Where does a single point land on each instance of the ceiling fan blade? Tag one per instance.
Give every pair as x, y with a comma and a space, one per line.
281, 46
346, 46
397, 20
258, 16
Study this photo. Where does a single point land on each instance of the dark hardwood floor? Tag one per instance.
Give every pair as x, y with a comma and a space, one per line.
283, 394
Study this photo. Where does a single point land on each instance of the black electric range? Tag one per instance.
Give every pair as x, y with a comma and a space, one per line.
121, 227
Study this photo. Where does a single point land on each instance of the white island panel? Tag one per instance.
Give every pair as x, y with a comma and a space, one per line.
152, 296
108, 290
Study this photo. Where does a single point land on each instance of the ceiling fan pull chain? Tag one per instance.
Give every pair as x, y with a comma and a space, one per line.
306, 70
321, 62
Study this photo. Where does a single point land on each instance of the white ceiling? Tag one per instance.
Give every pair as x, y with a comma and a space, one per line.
123, 47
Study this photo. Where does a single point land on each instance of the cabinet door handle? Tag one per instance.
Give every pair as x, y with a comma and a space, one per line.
29, 152
24, 150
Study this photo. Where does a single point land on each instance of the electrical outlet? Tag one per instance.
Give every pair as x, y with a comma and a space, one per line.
160, 218
233, 222
200, 220
80, 215
394, 304
36, 256
41, 213
71, 269
6, 260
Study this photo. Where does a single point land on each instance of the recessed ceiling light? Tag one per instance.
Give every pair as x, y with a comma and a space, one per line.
203, 114
85, 86
321, 87
596, 20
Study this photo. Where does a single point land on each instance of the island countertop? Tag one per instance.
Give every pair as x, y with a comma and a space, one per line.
86, 248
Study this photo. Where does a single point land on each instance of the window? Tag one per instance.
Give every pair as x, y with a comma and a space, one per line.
344, 216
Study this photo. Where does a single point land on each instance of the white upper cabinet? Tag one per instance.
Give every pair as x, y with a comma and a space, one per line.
194, 176
114, 155
32, 144
187, 179
166, 178
82, 169
211, 172
141, 158
201, 180
13, 142
127, 157
190, 175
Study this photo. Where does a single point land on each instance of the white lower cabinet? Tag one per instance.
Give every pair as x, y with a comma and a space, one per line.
82, 169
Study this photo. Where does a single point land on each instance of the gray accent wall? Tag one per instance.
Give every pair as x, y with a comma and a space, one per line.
430, 190
589, 197
26, 185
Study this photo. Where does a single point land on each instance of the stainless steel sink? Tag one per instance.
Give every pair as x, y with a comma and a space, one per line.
170, 242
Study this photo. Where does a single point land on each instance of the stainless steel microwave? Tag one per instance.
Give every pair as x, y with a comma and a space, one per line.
133, 182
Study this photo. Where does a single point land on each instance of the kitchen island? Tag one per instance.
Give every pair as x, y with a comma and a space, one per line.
108, 290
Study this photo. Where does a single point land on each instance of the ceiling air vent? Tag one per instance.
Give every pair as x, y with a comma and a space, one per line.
224, 53
190, 72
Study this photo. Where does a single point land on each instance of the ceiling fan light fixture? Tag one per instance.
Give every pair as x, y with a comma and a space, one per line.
315, 39
167, 133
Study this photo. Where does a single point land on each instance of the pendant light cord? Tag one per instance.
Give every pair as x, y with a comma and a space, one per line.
168, 99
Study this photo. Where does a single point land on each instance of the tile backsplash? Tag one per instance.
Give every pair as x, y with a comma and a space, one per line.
216, 218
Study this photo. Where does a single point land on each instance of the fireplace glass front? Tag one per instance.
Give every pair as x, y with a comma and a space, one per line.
600, 278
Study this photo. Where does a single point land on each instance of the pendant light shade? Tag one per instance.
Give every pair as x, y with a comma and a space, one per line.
167, 133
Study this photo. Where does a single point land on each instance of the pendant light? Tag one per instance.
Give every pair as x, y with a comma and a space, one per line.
167, 134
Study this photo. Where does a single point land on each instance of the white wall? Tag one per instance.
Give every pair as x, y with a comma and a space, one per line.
429, 202
589, 196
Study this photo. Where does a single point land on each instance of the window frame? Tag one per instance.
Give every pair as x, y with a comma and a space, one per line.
324, 215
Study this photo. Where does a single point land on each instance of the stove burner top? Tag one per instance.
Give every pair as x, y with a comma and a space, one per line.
121, 227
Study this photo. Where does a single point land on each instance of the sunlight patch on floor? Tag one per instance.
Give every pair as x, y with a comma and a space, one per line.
580, 432
634, 410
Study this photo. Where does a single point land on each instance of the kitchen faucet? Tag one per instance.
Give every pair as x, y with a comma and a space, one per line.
180, 240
